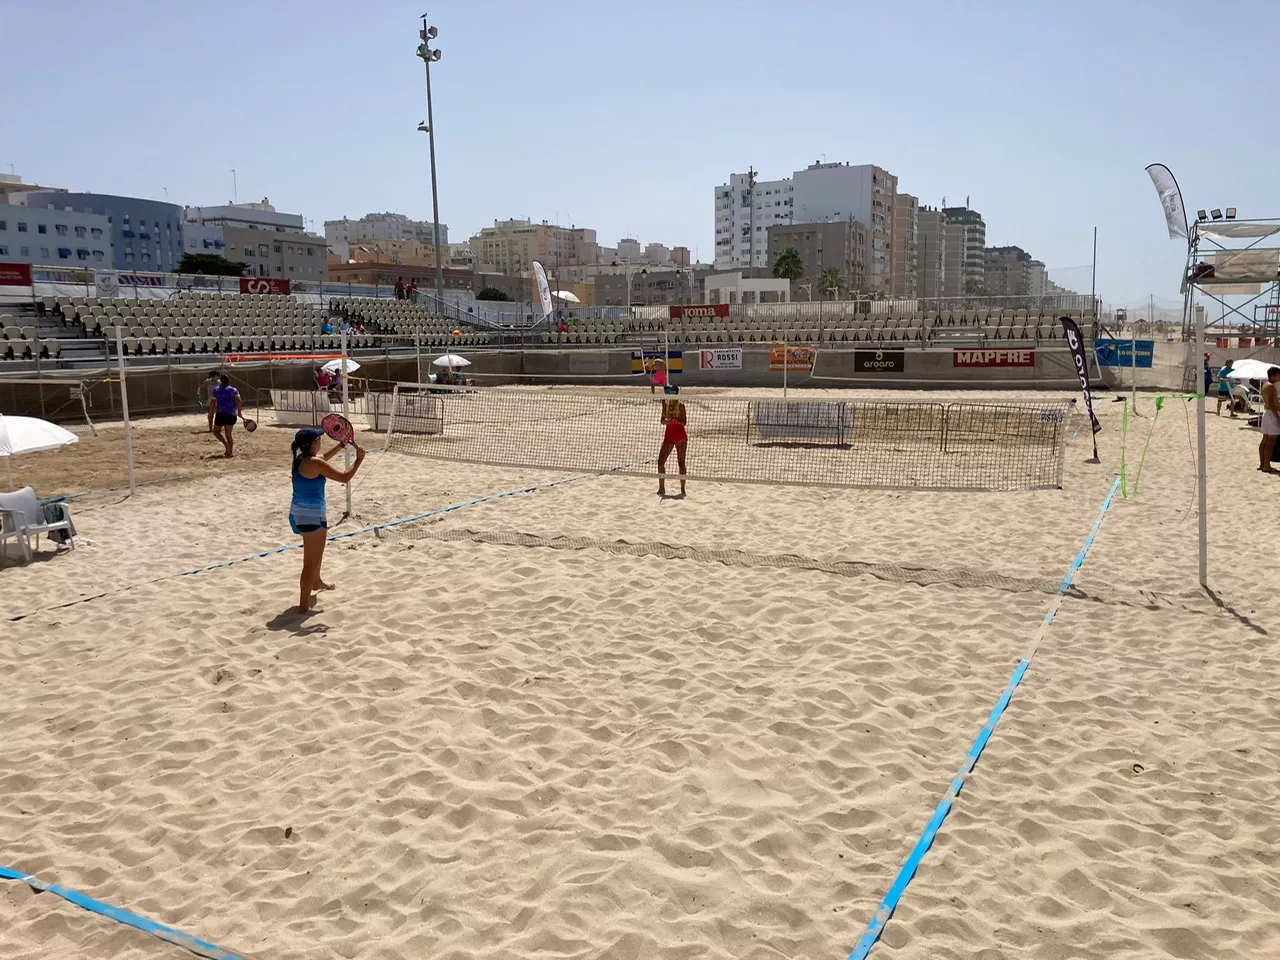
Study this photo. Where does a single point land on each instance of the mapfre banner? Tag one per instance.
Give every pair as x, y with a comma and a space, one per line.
263, 285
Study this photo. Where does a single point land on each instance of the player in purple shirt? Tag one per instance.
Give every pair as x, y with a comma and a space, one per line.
225, 404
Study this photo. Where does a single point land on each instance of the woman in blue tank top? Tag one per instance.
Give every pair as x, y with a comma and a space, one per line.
307, 512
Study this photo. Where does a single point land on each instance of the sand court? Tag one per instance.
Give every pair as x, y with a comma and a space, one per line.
583, 722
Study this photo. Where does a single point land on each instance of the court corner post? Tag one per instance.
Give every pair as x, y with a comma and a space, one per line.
124, 408
346, 413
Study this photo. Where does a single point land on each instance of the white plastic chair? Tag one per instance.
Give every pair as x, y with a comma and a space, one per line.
22, 517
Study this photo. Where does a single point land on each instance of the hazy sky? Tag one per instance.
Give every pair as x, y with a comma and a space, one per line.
624, 116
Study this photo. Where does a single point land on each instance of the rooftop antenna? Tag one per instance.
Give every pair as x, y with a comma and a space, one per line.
235, 192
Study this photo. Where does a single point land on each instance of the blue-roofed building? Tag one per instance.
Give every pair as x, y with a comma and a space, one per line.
146, 235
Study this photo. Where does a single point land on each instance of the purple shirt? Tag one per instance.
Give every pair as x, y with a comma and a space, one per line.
226, 398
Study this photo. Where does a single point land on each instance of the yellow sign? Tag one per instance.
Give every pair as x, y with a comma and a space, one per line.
792, 358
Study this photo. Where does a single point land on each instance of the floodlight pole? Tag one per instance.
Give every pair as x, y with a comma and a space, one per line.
427, 34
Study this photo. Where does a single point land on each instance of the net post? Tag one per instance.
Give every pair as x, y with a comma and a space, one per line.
346, 413
785, 365
124, 406
1201, 474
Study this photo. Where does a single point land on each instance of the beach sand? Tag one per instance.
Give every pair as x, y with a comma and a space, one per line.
583, 722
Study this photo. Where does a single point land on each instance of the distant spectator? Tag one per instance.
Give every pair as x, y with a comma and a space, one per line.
1224, 390
411, 291
322, 378
564, 325
399, 288
1208, 374
326, 328
205, 394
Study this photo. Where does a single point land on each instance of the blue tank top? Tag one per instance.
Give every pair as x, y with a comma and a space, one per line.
308, 504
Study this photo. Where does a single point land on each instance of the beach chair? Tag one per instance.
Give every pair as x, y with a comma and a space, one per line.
22, 517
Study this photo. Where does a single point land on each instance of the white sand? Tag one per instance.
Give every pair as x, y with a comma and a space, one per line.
522, 750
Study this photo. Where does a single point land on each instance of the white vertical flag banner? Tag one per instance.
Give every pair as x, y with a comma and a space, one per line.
544, 289
1175, 214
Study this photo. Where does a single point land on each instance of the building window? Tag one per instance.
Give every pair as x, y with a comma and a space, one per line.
4, 251
146, 257
4, 225
60, 229
264, 250
81, 231
64, 253
98, 255
310, 251
44, 251
82, 254
128, 256
24, 251
277, 248
22, 227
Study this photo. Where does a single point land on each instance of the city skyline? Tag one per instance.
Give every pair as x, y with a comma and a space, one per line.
1059, 151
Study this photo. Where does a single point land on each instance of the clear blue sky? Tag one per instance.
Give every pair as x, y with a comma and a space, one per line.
624, 116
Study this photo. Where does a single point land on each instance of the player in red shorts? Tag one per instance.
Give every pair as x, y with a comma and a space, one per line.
675, 436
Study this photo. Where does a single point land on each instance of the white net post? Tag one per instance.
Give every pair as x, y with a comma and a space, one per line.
124, 407
346, 413
1201, 474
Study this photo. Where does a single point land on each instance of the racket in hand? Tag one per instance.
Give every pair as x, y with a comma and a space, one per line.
250, 425
338, 427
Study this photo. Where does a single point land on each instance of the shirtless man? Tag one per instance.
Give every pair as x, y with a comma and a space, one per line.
1270, 420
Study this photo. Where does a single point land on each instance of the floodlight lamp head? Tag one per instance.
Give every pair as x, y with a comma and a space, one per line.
435, 54
1201, 216
1231, 213
423, 128
1216, 213
432, 33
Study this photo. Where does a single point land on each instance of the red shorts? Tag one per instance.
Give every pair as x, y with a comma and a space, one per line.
675, 433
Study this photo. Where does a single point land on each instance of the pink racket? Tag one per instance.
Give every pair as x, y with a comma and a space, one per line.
338, 427
250, 425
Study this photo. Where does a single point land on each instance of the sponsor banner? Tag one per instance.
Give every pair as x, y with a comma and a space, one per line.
879, 361
1075, 343
77, 277
15, 274
698, 311
675, 360
724, 358
263, 285
588, 363
792, 358
963, 357
1120, 353
106, 283
544, 289
140, 280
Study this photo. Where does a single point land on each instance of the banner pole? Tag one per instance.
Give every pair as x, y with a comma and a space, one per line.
346, 412
124, 407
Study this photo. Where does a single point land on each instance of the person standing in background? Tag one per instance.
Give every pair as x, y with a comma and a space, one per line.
399, 288
1270, 420
204, 394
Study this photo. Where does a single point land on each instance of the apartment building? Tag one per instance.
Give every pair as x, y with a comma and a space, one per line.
931, 251
1012, 272
52, 235
745, 208
905, 251
842, 244
975, 240
340, 234
270, 243
146, 235
511, 246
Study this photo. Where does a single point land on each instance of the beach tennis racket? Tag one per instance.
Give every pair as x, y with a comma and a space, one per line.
249, 425
338, 427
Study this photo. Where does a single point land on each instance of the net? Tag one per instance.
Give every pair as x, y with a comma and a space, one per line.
891, 444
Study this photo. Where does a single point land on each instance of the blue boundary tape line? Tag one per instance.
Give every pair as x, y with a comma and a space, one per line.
199, 947
890, 902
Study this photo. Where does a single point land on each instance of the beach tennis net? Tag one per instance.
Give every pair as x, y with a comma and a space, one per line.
893, 444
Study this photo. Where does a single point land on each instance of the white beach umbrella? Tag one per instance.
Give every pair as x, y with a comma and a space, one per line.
335, 366
1249, 369
566, 295
451, 360
30, 435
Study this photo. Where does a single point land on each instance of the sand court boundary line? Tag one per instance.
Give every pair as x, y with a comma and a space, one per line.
179, 939
286, 548
908, 871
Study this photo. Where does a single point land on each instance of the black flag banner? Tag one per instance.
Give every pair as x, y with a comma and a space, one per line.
1075, 343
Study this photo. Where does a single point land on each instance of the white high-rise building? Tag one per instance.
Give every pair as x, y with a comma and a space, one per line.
742, 229
821, 193
380, 226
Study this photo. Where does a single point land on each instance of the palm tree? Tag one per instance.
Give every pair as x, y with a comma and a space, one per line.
789, 265
973, 287
831, 282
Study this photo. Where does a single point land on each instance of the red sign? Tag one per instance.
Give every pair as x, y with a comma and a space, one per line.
698, 311
994, 358
15, 274
263, 285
